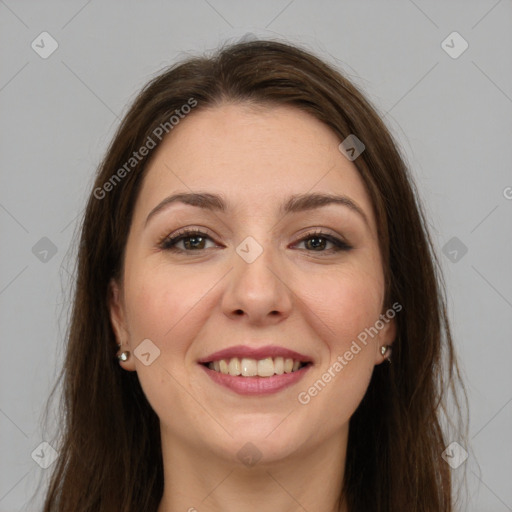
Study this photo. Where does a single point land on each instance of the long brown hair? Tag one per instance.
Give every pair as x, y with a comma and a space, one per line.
109, 440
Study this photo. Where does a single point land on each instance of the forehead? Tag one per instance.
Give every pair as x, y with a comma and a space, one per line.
255, 156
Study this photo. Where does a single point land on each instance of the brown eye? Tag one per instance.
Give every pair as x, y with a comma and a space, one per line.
192, 241
317, 242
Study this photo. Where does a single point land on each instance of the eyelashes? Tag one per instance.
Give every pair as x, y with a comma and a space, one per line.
169, 243
194, 241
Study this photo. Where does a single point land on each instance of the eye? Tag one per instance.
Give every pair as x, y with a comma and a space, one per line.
317, 241
193, 240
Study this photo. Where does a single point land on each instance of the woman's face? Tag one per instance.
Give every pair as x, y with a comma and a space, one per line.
265, 272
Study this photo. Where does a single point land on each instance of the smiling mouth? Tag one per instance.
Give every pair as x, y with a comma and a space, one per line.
247, 367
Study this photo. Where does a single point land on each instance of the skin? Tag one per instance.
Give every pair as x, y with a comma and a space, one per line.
192, 304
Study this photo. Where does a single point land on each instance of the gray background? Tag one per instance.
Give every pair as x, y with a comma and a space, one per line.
452, 117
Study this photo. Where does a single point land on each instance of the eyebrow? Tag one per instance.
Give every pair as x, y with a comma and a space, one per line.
296, 203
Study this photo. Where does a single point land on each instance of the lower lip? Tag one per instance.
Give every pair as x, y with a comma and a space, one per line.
256, 385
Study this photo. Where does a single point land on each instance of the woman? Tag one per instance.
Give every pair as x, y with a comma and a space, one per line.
251, 255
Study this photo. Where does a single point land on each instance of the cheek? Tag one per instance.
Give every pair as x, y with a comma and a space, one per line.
151, 303
166, 307
346, 302
346, 306
152, 308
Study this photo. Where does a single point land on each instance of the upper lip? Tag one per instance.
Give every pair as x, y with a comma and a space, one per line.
241, 351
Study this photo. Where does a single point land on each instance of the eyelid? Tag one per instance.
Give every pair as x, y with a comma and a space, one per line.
321, 232
169, 242
339, 241
187, 231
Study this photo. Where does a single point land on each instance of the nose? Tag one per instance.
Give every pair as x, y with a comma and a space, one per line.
258, 292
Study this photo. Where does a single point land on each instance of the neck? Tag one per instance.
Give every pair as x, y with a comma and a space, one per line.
196, 481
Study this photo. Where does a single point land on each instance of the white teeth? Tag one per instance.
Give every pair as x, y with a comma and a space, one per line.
279, 365
223, 366
234, 366
266, 367
248, 367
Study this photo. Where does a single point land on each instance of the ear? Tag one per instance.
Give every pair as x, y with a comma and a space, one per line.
118, 321
386, 336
